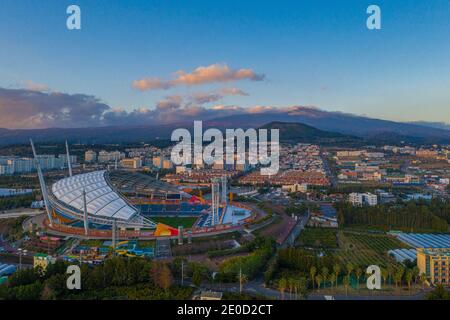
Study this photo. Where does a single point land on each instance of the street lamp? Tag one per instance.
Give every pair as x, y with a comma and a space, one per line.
21, 252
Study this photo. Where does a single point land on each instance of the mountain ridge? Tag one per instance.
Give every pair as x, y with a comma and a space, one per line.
336, 122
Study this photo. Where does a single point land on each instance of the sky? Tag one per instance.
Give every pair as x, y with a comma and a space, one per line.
150, 61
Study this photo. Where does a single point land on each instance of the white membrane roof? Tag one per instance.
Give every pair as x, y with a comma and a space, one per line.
100, 198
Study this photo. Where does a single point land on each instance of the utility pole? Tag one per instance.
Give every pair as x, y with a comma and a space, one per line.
240, 279
182, 272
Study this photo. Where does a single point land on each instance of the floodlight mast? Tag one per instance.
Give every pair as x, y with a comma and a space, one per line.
42, 184
69, 164
224, 189
85, 214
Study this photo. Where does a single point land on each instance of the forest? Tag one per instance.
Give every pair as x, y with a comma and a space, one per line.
410, 216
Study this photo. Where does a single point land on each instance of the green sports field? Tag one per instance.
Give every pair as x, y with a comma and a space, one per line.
186, 222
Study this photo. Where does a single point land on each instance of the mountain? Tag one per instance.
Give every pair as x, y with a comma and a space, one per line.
437, 125
95, 135
373, 131
299, 132
338, 122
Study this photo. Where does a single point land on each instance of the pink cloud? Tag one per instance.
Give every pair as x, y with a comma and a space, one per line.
202, 75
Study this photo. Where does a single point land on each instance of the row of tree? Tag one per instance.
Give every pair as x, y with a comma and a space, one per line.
132, 278
293, 265
410, 216
7, 203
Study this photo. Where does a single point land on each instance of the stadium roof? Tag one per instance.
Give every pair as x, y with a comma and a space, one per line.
132, 182
101, 199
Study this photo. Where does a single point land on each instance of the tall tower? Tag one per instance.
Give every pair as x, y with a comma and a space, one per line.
85, 214
215, 200
69, 163
42, 184
224, 190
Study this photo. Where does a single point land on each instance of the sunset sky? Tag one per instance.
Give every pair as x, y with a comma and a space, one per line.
137, 58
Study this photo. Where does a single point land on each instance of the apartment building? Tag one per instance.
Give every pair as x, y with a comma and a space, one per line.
361, 199
435, 264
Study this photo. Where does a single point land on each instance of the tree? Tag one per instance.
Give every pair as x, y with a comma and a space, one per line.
332, 279
349, 267
312, 274
242, 278
324, 275
166, 279
196, 277
358, 274
55, 287
346, 283
302, 288
318, 281
291, 285
390, 271
416, 273
398, 276
384, 275
439, 293
408, 278
282, 287
423, 279
337, 271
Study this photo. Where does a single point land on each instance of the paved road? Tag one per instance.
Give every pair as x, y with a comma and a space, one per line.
257, 287
328, 171
19, 213
163, 250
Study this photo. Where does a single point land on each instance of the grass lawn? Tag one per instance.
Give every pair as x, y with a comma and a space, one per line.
186, 222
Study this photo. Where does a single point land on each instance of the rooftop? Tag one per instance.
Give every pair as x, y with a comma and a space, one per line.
101, 199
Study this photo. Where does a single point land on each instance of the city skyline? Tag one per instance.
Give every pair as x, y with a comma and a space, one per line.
138, 61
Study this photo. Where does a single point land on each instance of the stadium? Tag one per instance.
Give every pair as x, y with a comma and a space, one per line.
126, 204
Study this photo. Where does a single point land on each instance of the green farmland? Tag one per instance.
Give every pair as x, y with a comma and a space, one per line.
358, 248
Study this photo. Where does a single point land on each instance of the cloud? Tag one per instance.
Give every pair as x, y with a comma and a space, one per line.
25, 108
208, 97
214, 73
33, 86
233, 92
170, 103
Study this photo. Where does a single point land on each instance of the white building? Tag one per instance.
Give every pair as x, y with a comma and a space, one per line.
15, 165
360, 199
104, 156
